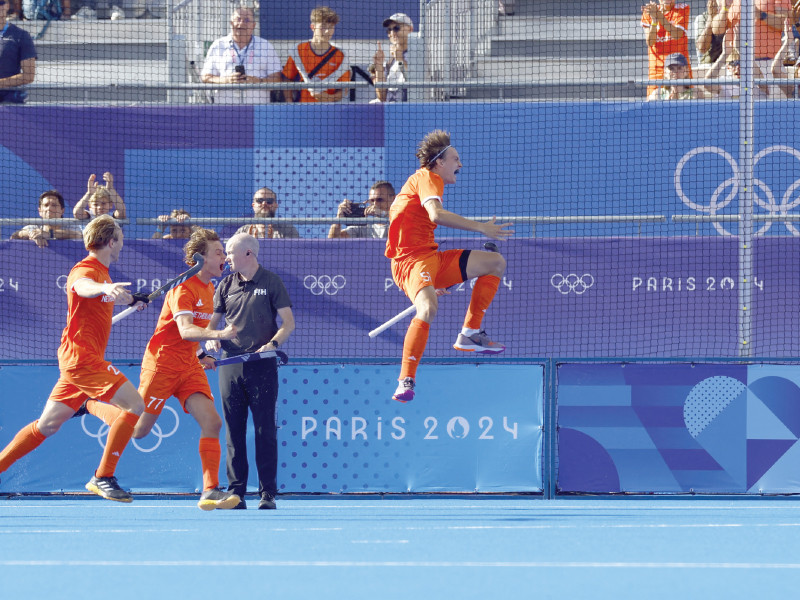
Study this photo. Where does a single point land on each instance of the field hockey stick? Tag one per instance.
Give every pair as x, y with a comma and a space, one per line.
282, 357
165, 288
490, 246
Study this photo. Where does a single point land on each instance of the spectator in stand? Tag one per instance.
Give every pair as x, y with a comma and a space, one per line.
51, 206
792, 70
241, 57
730, 58
506, 8
675, 67
665, 23
17, 58
396, 69
317, 60
381, 196
769, 19
265, 206
709, 32
100, 200
176, 231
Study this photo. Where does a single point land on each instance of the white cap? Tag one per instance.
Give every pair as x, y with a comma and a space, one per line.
401, 18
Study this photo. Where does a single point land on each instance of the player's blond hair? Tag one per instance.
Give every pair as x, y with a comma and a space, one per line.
432, 148
198, 243
100, 231
323, 14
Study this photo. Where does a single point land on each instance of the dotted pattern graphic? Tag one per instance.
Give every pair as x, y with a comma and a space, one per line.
341, 411
707, 400
311, 182
340, 431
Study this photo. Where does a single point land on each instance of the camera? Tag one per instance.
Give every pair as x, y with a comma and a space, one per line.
239, 69
357, 210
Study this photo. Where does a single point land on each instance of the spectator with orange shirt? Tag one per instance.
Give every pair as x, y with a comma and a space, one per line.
666, 24
317, 60
769, 19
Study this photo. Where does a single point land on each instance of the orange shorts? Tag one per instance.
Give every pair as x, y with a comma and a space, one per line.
156, 386
99, 381
440, 269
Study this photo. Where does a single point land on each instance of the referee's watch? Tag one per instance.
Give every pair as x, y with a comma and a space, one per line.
274, 343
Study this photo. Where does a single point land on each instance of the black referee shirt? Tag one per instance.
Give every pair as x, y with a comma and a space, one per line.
252, 306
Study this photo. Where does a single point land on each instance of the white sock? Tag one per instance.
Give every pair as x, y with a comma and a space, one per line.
469, 332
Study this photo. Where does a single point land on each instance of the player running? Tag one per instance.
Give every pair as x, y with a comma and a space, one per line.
419, 269
173, 364
84, 373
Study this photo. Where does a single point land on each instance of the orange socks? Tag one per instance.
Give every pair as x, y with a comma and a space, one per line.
413, 347
119, 435
104, 411
209, 458
27, 439
482, 296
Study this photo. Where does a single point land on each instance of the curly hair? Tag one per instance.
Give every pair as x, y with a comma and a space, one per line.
198, 243
432, 147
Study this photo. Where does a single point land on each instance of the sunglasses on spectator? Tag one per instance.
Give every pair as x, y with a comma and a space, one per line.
256, 200
393, 29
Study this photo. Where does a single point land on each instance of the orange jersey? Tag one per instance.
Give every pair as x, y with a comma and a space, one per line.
410, 226
665, 44
167, 350
85, 337
333, 69
768, 40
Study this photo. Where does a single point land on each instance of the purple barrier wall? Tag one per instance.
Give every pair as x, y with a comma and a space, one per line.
590, 297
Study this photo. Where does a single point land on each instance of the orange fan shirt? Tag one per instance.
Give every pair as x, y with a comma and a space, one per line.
410, 226
310, 60
665, 44
85, 337
167, 350
768, 40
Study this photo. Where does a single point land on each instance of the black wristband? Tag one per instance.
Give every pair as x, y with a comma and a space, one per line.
274, 343
202, 355
139, 297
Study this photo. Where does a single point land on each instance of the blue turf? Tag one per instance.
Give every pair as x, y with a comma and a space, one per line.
416, 548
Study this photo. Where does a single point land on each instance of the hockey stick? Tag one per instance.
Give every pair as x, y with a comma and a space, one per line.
282, 357
490, 246
165, 288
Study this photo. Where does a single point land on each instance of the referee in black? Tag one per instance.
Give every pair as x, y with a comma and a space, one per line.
251, 298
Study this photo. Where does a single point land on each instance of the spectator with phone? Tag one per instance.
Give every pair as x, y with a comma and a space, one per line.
241, 57
381, 196
265, 206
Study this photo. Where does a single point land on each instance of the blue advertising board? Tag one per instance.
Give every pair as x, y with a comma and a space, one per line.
680, 428
472, 428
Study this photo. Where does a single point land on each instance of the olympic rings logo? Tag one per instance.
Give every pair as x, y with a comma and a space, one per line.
578, 284
717, 202
156, 431
324, 284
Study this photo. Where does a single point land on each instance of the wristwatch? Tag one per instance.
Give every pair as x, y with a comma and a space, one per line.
274, 343
763, 16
